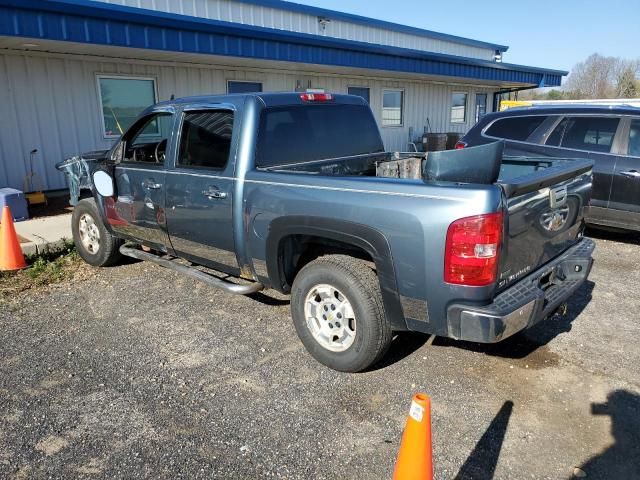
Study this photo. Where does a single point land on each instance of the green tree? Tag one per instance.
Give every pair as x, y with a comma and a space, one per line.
627, 85
555, 95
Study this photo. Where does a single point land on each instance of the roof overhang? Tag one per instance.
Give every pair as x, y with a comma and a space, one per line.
373, 22
102, 24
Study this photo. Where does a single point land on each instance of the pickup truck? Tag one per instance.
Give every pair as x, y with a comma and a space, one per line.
288, 191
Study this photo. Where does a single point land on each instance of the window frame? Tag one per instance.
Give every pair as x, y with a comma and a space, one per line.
224, 107
402, 98
466, 108
230, 80
360, 86
100, 76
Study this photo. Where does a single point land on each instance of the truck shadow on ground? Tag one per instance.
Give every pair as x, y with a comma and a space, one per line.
483, 460
622, 459
402, 345
268, 299
528, 341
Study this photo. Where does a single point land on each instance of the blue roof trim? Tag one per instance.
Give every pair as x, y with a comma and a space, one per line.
106, 24
373, 22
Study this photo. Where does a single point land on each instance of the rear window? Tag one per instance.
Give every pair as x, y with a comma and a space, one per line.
593, 134
304, 133
515, 128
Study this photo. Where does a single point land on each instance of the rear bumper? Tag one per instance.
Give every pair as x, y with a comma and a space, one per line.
526, 302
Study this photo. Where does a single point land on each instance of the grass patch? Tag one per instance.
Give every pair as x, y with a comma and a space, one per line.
44, 269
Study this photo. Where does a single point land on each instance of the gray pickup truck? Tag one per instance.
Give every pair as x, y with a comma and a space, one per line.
294, 191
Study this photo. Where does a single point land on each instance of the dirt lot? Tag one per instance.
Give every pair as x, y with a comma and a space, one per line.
135, 372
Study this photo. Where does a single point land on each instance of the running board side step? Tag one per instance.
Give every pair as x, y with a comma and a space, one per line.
192, 272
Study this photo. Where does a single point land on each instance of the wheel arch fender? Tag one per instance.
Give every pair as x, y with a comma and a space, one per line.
366, 238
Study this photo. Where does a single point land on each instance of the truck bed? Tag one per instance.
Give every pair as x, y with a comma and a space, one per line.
537, 228
518, 175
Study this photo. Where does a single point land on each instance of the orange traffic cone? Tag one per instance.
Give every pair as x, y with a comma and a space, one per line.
11, 257
415, 459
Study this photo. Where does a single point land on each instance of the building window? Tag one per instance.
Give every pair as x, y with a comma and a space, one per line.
360, 92
122, 99
234, 86
459, 108
481, 106
392, 108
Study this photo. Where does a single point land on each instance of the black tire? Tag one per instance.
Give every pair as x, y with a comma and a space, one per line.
107, 253
360, 285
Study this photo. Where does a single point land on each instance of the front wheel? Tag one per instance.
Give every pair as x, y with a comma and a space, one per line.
337, 310
93, 242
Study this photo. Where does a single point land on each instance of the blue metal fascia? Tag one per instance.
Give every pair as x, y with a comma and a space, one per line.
373, 22
106, 24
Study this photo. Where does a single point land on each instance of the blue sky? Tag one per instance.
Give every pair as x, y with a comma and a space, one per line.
553, 34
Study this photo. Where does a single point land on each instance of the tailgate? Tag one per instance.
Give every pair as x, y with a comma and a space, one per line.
545, 204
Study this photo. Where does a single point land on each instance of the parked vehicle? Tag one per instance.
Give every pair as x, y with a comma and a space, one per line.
608, 135
280, 191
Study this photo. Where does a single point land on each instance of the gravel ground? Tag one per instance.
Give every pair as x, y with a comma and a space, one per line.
138, 372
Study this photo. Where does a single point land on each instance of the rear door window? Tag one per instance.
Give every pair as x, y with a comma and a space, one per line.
595, 134
304, 133
206, 139
634, 138
515, 128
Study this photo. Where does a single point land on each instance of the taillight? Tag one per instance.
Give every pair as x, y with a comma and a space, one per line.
316, 97
471, 251
460, 145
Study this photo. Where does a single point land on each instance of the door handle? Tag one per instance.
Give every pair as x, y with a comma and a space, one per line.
631, 174
214, 193
151, 185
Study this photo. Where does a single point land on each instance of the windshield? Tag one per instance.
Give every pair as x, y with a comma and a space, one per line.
304, 133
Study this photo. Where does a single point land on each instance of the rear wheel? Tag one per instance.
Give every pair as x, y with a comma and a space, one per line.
93, 242
337, 310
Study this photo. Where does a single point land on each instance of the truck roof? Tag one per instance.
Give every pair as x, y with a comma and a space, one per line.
269, 99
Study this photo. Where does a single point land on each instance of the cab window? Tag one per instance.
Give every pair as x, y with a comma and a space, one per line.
146, 141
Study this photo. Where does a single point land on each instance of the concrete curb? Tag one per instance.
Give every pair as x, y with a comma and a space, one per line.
43, 246
44, 235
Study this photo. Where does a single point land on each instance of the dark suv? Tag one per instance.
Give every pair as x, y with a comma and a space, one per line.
608, 135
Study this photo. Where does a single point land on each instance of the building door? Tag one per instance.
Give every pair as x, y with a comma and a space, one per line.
481, 106
200, 189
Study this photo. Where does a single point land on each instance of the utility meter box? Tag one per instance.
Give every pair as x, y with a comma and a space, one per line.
16, 202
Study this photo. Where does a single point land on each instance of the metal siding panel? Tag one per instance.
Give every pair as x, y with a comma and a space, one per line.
11, 164
283, 19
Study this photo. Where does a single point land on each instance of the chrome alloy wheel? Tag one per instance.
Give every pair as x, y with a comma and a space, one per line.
89, 233
330, 318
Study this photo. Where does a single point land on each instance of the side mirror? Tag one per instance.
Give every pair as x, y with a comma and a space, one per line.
117, 154
103, 183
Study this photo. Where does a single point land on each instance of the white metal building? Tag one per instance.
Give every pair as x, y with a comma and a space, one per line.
74, 73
